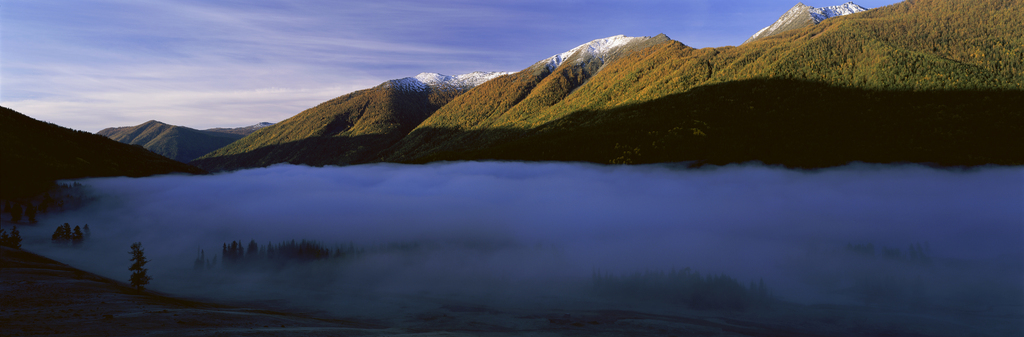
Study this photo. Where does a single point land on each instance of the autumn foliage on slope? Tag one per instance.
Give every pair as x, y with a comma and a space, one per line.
921, 81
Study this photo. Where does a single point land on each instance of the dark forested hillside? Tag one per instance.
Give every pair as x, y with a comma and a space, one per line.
763, 120
176, 142
934, 81
37, 153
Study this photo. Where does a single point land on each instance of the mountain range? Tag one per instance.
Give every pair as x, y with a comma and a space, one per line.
359, 127
37, 153
931, 81
926, 81
178, 142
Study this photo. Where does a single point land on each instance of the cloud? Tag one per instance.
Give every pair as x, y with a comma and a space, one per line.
530, 227
196, 109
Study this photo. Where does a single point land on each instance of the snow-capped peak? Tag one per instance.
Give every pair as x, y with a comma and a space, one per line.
821, 13
425, 80
598, 48
801, 14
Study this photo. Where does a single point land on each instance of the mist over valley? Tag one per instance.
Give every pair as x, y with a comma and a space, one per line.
544, 236
848, 170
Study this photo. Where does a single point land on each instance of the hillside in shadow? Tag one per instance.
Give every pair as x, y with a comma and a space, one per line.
176, 142
788, 122
36, 153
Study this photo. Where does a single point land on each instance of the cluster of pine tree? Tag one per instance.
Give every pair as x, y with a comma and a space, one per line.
65, 235
240, 255
18, 211
237, 254
711, 292
27, 208
13, 240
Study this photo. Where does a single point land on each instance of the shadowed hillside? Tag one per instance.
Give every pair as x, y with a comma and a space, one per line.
787, 122
176, 142
37, 153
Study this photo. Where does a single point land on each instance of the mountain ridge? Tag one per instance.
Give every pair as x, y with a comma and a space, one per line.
367, 139
624, 105
242, 130
800, 16
180, 143
37, 153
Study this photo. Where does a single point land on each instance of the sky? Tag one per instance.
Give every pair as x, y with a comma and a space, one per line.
92, 64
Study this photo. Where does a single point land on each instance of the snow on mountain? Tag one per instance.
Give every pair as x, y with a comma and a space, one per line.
802, 15
244, 130
822, 13
598, 48
423, 81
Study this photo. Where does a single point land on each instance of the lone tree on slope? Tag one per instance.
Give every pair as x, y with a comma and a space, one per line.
139, 277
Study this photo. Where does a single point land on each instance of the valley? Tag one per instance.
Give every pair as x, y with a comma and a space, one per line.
845, 171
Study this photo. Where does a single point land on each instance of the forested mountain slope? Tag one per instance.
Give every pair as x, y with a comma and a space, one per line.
516, 102
924, 81
36, 153
358, 127
349, 129
176, 142
934, 81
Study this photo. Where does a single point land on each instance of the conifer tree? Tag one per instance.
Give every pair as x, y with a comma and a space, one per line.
253, 250
139, 277
86, 231
76, 236
44, 205
16, 213
14, 241
65, 231
56, 237
200, 262
30, 212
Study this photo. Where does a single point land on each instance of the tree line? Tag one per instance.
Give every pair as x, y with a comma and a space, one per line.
64, 234
237, 254
12, 240
29, 209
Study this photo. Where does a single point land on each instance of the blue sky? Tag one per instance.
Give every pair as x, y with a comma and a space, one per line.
91, 64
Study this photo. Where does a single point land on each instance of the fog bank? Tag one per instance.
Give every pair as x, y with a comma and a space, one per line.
500, 228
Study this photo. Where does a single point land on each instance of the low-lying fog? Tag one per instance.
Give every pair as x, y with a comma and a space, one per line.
496, 230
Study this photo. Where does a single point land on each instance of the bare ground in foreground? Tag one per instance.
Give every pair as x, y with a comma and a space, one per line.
40, 296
